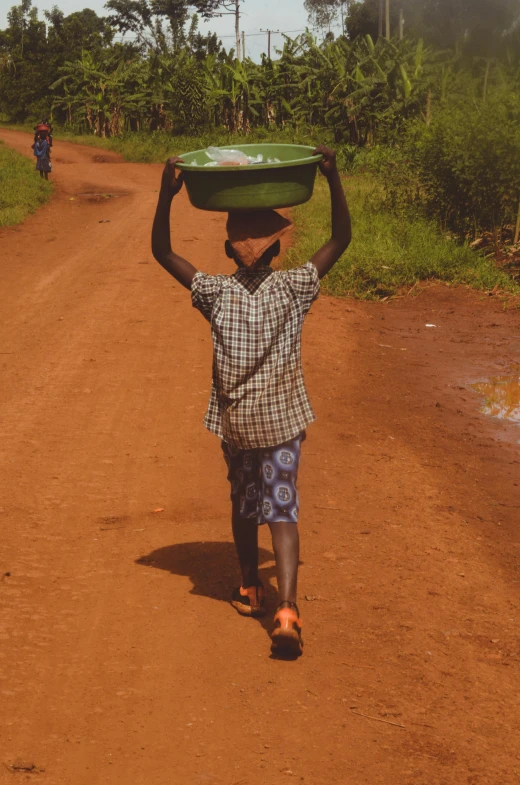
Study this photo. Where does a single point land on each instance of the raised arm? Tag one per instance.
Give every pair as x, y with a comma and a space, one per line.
327, 256
182, 270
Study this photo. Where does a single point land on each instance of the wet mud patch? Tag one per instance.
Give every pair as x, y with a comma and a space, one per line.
94, 196
107, 159
501, 395
113, 522
20, 766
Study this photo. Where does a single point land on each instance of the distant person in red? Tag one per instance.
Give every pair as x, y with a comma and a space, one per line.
41, 148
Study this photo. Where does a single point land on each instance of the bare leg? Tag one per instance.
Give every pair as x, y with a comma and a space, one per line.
286, 545
245, 534
46, 175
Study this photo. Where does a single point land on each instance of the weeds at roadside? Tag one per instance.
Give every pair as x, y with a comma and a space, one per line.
157, 146
388, 251
22, 190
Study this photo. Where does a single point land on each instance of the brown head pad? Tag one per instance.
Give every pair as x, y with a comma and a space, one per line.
251, 234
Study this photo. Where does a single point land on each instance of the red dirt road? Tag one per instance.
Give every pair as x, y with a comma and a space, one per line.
121, 660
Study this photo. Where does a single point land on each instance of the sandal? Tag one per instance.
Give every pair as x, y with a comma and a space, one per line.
250, 601
287, 633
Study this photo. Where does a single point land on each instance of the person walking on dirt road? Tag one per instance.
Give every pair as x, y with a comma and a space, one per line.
259, 406
41, 148
43, 130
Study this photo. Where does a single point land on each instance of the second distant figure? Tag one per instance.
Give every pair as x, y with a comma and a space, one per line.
42, 151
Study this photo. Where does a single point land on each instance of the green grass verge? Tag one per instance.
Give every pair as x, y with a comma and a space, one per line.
22, 190
388, 252
157, 146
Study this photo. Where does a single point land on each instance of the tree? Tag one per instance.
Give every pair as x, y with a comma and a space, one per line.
24, 25
68, 35
210, 8
144, 17
363, 17
477, 25
105, 91
325, 13
22, 49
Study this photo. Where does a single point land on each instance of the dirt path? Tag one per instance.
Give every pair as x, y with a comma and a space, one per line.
121, 659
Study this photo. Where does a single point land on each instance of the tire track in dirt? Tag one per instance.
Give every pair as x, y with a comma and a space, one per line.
121, 660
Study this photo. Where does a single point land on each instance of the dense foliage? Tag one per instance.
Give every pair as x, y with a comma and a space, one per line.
461, 165
389, 254
477, 26
440, 124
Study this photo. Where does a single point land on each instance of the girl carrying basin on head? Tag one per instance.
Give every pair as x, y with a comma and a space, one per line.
42, 151
259, 406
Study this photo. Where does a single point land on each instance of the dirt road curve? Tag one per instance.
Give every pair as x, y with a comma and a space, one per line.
121, 659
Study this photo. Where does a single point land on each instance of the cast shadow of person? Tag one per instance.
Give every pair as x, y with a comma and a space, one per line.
210, 567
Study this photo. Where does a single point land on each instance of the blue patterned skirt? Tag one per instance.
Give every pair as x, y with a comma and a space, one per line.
43, 165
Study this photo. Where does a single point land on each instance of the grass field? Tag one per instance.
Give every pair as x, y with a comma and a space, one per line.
22, 190
157, 146
388, 253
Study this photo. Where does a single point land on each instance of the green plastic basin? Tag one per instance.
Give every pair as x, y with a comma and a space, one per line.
254, 187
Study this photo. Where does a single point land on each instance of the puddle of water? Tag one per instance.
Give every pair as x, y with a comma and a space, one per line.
501, 395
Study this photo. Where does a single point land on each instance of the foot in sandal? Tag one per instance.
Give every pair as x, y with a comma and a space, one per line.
287, 633
250, 601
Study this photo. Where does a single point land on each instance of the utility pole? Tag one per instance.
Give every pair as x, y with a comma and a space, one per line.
517, 230
401, 24
243, 45
381, 14
387, 20
269, 33
237, 27
232, 8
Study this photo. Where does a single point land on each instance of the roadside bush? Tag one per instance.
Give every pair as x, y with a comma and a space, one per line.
468, 164
389, 253
157, 146
397, 177
462, 169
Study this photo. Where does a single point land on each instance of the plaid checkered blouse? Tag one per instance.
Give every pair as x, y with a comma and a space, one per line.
258, 397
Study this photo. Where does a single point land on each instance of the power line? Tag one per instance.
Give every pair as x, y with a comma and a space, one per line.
277, 32
126, 38
246, 35
269, 34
